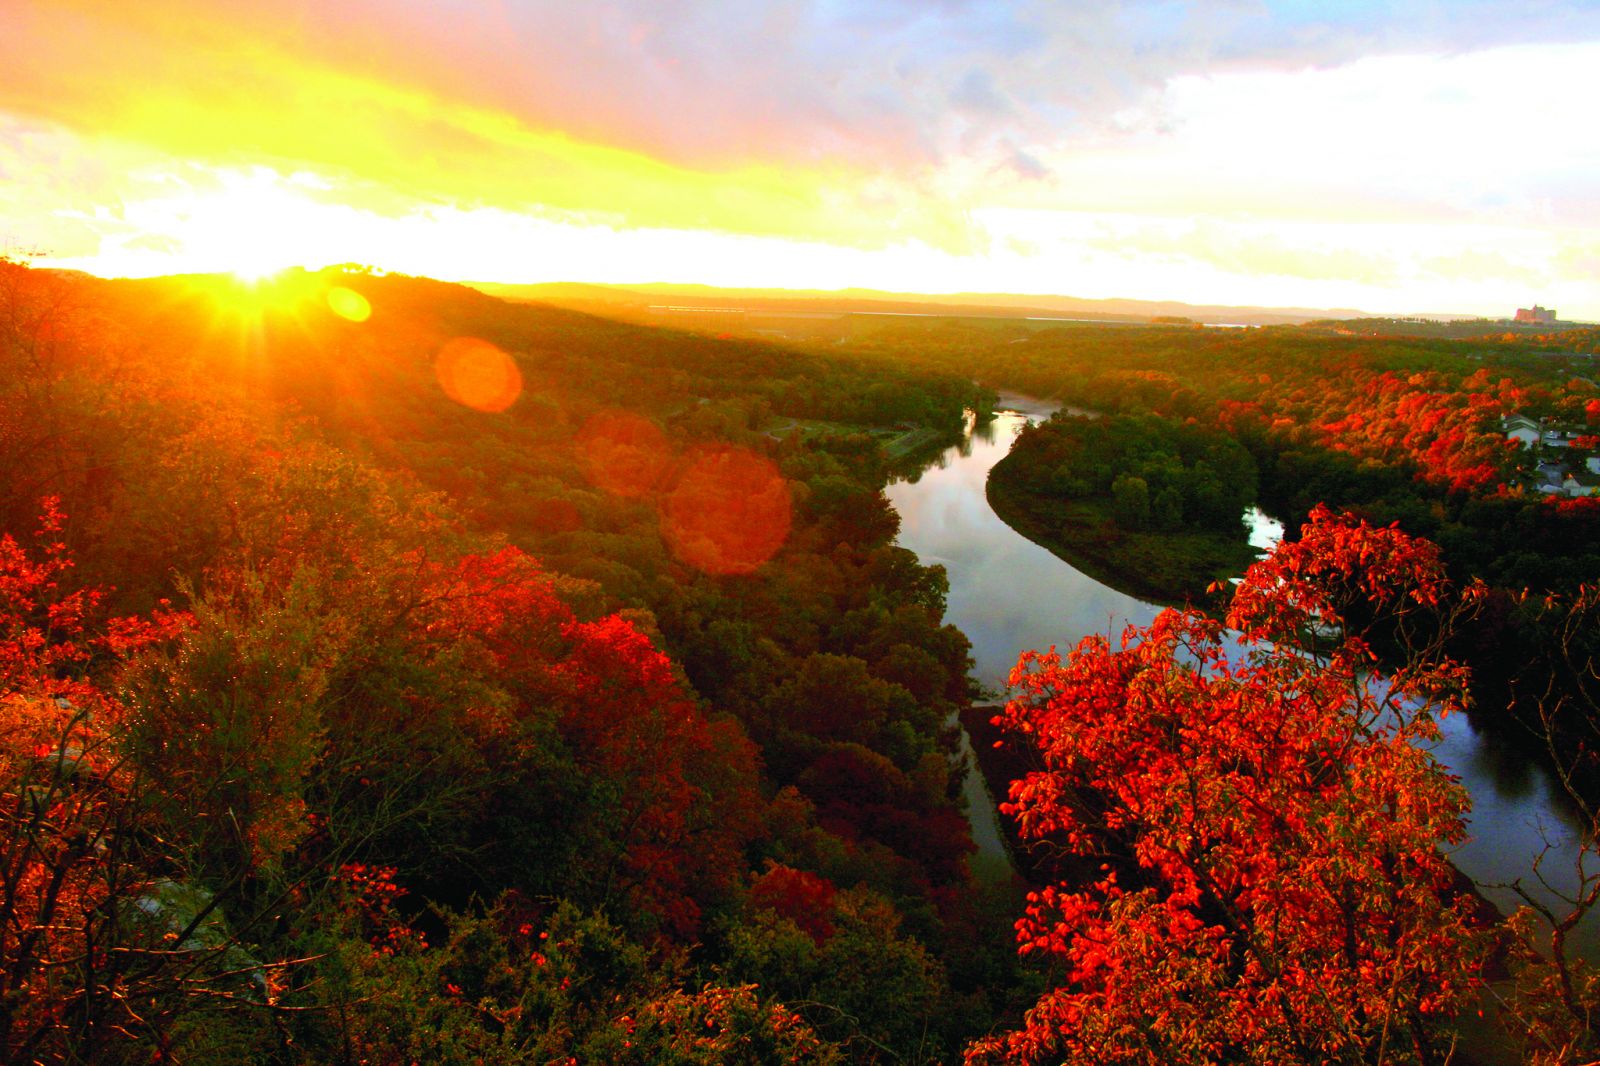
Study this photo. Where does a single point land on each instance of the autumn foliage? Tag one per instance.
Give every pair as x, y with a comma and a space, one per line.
1450, 431
71, 957
1266, 822
490, 618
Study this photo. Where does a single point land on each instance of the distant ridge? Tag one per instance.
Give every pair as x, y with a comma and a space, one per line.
843, 301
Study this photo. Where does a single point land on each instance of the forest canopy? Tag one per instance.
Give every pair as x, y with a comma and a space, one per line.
392, 673
386, 675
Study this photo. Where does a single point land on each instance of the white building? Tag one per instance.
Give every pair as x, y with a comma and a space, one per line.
1521, 428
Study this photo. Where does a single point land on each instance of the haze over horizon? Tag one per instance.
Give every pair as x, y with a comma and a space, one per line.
1396, 158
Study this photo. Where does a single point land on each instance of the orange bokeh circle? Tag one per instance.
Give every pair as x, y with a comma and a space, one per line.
349, 304
478, 375
624, 454
729, 511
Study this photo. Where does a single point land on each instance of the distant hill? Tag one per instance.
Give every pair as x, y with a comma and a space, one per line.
858, 301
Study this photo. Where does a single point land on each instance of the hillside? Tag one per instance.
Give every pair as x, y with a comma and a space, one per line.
869, 301
561, 672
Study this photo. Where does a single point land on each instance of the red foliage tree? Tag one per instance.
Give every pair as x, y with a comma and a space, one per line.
689, 802
684, 787
1449, 430
42, 638
806, 899
1267, 826
73, 969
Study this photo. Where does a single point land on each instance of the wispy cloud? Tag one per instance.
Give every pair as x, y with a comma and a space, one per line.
861, 124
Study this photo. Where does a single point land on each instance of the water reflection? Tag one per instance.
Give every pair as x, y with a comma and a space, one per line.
1516, 818
1512, 771
1006, 593
1265, 531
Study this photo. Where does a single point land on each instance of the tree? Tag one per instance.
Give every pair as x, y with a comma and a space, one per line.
1130, 500
865, 983
103, 943
1265, 824
1166, 510
1554, 1006
500, 989
669, 797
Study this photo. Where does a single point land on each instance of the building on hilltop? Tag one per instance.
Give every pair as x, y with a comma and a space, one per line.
1543, 316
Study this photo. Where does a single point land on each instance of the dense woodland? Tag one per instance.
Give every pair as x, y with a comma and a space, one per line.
392, 674
1152, 503
544, 693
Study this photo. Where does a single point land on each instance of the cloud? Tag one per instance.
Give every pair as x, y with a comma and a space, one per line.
862, 124
1026, 166
716, 84
214, 92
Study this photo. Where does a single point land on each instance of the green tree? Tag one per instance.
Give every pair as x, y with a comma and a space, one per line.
1130, 498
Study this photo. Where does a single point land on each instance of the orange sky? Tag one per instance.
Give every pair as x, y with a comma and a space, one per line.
1209, 152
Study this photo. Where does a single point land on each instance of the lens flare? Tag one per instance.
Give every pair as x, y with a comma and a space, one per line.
347, 303
729, 511
624, 454
555, 515
476, 374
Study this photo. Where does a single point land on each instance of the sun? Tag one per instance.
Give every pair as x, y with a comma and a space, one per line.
255, 228
256, 273
251, 224
246, 299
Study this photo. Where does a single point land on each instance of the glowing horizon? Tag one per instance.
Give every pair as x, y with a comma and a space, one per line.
1381, 162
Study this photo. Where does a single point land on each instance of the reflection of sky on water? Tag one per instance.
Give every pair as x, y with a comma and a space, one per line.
1515, 817
1008, 594
1265, 531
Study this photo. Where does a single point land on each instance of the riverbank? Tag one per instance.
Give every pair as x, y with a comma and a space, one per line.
1172, 569
1039, 863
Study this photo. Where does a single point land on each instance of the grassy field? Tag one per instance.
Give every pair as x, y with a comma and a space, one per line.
898, 443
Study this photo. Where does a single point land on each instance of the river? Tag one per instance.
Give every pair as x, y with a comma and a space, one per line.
1008, 594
